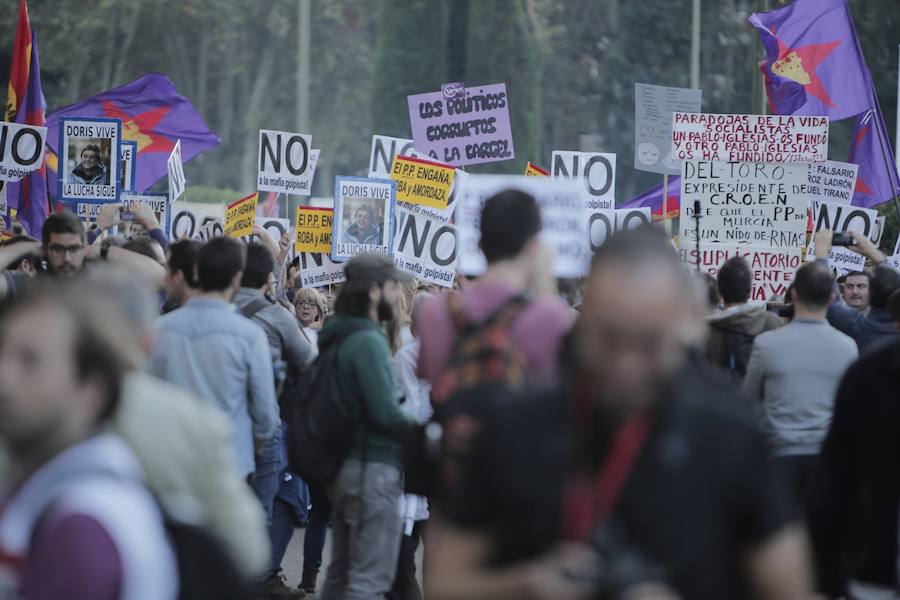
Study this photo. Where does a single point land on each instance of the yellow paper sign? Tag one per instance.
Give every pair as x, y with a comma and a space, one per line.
240, 216
422, 181
314, 229
532, 170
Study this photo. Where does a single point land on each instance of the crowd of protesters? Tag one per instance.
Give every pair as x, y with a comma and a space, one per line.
642, 433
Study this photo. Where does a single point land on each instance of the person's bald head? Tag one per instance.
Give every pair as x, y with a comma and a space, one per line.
637, 305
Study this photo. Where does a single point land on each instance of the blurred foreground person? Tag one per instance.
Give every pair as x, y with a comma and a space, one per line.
77, 522
645, 472
856, 488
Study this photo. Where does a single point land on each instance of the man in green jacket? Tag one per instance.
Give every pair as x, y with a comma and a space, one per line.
366, 494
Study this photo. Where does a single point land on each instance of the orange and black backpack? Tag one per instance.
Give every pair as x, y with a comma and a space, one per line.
485, 369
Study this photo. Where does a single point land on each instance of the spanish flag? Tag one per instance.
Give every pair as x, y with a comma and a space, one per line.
25, 104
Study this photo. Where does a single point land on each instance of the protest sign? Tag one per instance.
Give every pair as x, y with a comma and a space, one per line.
562, 213
211, 229
191, 216
89, 164
240, 216
532, 170
426, 248
284, 162
157, 201
313, 229
839, 218
128, 171
384, 149
749, 138
21, 150
832, 181
603, 223
464, 129
363, 216
596, 171
318, 270
422, 182
773, 268
744, 203
276, 226
175, 168
653, 108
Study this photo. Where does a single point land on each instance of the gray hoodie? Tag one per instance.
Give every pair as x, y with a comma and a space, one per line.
749, 320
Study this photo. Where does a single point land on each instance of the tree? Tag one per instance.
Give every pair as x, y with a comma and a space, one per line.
410, 58
502, 48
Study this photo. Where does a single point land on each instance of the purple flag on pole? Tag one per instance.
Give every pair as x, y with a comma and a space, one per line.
813, 63
154, 115
877, 180
653, 198
28, 196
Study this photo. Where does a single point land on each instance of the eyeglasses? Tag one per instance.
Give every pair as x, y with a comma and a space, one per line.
61, 250
306, 303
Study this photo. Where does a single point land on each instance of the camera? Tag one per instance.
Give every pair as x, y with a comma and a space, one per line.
842, 238
624, 564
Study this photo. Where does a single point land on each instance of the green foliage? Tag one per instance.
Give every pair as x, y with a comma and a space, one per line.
502, 48
211, 195
410, 58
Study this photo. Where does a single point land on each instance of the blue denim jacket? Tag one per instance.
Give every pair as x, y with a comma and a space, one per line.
208, 348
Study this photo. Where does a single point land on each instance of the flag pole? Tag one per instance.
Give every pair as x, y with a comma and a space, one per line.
667, 224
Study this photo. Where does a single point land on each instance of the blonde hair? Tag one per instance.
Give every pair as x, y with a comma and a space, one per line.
311, 295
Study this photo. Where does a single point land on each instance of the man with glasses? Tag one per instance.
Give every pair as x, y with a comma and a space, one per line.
65, 254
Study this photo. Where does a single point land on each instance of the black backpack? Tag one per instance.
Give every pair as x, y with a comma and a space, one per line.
323, 422
737, 348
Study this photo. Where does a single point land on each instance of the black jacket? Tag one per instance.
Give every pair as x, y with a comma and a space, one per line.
855, 496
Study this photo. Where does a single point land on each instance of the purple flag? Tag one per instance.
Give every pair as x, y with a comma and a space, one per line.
813, 64
154, 115
877, 180
28, 196
653, 198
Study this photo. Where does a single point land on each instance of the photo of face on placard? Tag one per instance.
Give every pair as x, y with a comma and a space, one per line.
362, 221
363, 217
89, 160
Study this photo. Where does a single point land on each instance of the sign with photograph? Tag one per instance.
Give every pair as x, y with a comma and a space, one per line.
89, 162
363, 216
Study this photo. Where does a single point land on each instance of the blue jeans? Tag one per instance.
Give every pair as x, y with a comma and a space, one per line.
316, 528
269, 464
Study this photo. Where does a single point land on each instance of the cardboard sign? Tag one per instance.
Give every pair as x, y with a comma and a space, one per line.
603, 223
832, 181
210, 229
177, 182
313, 228
466, 129
562, 213
363, 217
749, 138
318, 270
532, 170
426, 248
187, 220
839, 218
128, 171
89, 165
384, 149
157, 201
595, 170
21, 150
744, 203
653, 108
773, 268
240, 216
284, 162
422, 182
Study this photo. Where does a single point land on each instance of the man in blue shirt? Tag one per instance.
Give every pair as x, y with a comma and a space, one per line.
208, 348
